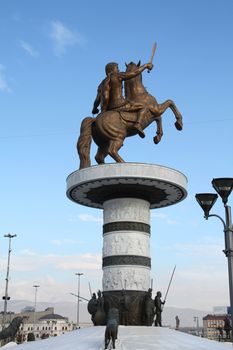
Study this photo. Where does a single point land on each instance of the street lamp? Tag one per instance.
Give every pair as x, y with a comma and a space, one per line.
6, 296
36, 286
223, 186
196, 319
78, 274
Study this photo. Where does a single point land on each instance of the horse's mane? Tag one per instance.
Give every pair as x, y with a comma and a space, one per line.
130, 84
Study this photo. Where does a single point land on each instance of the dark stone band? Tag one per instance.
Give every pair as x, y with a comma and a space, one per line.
126, 226
126, 260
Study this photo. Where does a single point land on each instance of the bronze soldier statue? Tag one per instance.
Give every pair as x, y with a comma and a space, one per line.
110, 97
148, 308
92, 307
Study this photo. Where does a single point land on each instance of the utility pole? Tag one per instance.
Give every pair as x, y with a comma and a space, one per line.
6, 297
36, 286
196, 319
78, 274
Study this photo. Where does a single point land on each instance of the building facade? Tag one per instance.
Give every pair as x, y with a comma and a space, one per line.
42, 324
213, 326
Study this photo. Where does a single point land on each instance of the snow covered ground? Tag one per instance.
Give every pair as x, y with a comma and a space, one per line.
129, 338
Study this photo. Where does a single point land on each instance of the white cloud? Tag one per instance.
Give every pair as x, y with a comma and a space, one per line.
28, 48
207, 248
54, 273
66, 241
4, 87
87, 217
63, 38
28, 252
29, 261
165, 217
197, 249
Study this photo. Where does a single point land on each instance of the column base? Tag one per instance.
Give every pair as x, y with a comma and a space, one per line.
130, 306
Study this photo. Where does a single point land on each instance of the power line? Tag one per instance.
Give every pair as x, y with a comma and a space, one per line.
77, 132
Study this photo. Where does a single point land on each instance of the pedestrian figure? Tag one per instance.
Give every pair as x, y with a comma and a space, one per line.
227, 327
177, 323
220, 337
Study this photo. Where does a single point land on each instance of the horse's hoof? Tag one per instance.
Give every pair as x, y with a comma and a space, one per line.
156, 140
179, 125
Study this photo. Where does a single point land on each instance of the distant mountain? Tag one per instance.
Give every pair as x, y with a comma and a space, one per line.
69, 309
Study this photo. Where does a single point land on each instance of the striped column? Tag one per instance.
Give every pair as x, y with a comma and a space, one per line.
126, 245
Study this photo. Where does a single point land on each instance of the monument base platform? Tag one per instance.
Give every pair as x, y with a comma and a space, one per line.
137, 338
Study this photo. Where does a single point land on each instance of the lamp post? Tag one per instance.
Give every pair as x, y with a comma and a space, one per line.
6, 296
223, 186
196, 319
78, 274
36, 286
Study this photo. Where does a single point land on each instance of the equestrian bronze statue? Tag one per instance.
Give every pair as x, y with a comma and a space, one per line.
121, 116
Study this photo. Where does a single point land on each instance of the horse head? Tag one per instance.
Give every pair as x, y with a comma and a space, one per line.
132, 66
134, 86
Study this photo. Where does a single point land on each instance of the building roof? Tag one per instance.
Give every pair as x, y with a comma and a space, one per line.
214, 317
52, 317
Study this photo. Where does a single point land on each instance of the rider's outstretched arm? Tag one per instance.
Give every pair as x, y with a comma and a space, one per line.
139, 70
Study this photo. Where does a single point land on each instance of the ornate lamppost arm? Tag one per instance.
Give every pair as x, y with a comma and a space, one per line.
219, 217
228, 231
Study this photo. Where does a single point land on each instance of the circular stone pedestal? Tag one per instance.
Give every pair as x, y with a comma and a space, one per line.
126, 192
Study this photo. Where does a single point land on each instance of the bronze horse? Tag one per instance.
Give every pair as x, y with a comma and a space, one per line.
109, 129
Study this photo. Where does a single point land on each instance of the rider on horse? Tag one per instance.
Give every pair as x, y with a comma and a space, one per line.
110, 97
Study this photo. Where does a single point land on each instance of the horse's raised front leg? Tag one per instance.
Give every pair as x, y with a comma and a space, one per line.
159, 132
113, 149
178, 123
161, 108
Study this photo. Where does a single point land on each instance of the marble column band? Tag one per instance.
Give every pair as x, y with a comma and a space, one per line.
126, 244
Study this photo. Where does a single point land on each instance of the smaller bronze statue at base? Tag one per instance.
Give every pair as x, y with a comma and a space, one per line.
9, 332
158, 309
148, 309
95, 307
112, 327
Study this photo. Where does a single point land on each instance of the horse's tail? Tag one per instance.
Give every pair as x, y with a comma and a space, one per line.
84, 142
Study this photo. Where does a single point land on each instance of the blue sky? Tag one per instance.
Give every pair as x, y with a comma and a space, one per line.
52, 59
